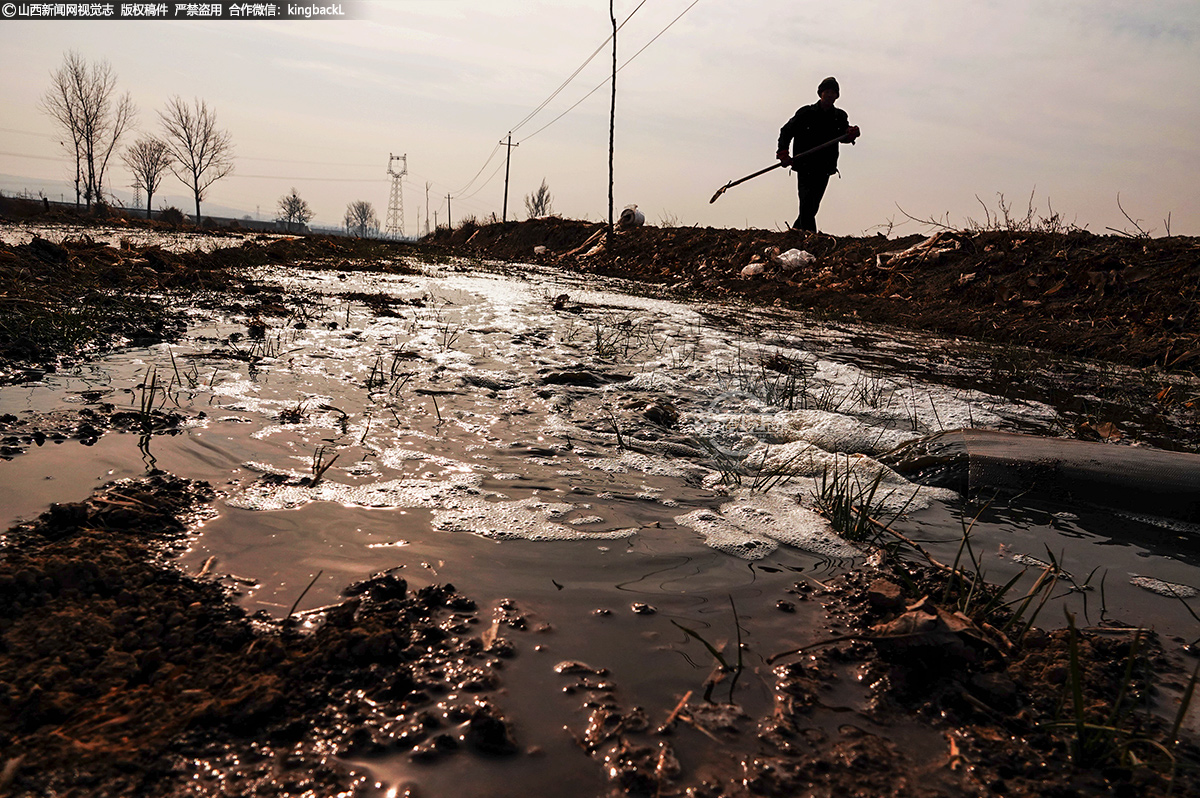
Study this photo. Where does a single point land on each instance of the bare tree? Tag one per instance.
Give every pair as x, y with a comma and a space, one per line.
147, 159
360, 218
539, 203
81, 100
293, 210
200, 153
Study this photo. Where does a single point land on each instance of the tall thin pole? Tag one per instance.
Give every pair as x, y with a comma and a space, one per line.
449, 218
612, 115
507, 157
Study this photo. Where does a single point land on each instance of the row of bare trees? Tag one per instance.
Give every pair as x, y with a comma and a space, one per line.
83, 103
360, 215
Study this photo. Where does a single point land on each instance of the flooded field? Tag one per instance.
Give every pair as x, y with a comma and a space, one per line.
629, 473
175, 241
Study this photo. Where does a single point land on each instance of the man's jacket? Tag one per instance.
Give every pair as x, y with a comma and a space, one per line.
813, 125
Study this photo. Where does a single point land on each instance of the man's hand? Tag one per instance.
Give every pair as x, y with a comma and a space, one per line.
852, 133
784, 158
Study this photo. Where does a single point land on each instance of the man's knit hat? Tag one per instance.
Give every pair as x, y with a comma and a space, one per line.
828, 83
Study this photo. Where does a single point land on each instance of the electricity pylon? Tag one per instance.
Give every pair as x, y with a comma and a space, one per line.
394, 227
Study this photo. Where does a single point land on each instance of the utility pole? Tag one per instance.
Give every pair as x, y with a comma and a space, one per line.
449, 218
612, 116
427, 184
507, 157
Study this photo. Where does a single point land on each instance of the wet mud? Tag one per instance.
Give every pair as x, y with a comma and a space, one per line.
123, 676
120, 674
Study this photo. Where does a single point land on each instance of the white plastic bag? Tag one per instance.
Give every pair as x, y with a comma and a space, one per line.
795, 258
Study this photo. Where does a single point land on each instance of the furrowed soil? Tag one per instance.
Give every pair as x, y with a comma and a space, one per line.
122, 675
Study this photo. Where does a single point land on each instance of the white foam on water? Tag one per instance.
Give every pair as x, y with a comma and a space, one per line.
724, 534
643, 463
274, 497
1169, 589
779, 515
835, 432
836, 405
525, 519
1175, 525
752, 524
233, 386
657, 466
808, 465
392, 494
457, 503
361, 468
609, 465
477, 334
396, 457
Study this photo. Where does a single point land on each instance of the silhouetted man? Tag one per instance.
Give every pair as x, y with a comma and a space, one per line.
812, 126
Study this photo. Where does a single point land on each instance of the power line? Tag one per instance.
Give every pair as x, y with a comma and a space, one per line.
477, 174
313, 179
35, 157
543, 104
240, 157
317, 163
605, 82
482, 187
579, 69
29, 133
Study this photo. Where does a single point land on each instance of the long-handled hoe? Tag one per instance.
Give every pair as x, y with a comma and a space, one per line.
733, 183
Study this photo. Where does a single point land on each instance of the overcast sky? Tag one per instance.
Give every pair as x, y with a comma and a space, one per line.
1072, 101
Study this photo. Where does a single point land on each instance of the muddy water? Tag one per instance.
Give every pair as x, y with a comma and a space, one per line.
608, 461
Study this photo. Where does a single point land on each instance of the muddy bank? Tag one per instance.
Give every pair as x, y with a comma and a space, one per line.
123, 676
1127, 300
909, 691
